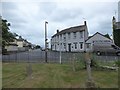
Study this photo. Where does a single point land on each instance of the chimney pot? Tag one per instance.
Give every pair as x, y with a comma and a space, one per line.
57, 31
85, 23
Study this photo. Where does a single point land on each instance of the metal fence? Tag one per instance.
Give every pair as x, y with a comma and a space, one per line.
38, 56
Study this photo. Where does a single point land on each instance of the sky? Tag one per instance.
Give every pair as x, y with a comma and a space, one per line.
27, 17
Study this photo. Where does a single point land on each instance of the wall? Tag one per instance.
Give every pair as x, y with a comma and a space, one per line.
20, 43
67, 41
11, 48
98, 38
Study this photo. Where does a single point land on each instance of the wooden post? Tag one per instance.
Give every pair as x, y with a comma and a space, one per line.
73, 62
90, 83
29, 70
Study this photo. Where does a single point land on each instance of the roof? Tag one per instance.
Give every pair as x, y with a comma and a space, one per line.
71, 29
95, 34
12, 44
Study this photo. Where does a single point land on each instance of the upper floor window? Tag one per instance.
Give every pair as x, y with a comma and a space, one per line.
64, 37
61, 37
81, 34
58, 37
68, 35
74, 35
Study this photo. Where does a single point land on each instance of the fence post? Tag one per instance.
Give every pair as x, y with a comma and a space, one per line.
73, 62
90, 83
60, 57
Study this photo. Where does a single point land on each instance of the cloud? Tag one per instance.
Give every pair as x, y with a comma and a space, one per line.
62, 15
28, 18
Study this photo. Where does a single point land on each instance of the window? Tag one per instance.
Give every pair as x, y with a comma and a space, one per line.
75, 45
64, 46
61, 45
58, 37
88, 45
74, 35
61, 37
64, 37
68, 35
81, 34
55, 47
81, 45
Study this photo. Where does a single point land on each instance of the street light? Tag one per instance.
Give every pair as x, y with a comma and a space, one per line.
46, 41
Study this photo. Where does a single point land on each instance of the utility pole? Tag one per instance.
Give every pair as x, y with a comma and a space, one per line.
46, 41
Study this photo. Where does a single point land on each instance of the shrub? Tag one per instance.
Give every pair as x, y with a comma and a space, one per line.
117, 63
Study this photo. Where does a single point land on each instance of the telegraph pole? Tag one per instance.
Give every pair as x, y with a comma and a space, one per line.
46, 41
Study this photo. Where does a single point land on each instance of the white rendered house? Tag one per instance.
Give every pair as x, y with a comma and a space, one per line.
71, 39
98, 40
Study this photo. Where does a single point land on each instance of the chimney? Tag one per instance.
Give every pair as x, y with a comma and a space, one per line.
114, 20
57, 31
85, 23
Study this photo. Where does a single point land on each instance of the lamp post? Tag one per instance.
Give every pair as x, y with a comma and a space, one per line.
46, 41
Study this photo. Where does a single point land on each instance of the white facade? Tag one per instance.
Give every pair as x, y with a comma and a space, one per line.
11, 48
98, 39
71, 39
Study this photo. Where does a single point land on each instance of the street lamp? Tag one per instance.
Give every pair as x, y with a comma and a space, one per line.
46, 41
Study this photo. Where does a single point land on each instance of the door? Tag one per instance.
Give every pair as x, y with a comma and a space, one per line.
69, 47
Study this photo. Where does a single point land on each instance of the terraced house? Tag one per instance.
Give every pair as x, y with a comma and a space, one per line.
71, 39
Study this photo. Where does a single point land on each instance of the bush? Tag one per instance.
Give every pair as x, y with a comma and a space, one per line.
117, 63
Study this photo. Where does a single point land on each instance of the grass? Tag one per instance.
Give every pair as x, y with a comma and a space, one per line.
54, 76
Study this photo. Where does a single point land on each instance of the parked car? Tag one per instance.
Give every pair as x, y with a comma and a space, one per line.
107, 50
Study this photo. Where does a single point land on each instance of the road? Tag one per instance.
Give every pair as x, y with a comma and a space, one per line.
39, 56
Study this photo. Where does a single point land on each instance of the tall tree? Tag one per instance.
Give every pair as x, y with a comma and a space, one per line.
107, 35
7, 36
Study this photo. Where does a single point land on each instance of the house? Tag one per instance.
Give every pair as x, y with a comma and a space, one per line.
11, 47
99, 40
19, 44
71, 39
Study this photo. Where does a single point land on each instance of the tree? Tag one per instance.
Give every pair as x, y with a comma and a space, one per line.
116, 35
7, 36
116, 32
107, 35
38, 47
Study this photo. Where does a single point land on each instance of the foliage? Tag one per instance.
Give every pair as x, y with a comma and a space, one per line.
107, 35
7, 36
53, 76
117, 63
116, 36
37, 47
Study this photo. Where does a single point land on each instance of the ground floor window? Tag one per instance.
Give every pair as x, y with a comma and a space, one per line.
88, 45
81, 45
64, 45
75, 45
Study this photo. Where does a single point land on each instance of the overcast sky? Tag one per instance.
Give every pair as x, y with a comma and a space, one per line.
27, 17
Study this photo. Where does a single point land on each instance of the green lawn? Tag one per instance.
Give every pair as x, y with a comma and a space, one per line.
54, 76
